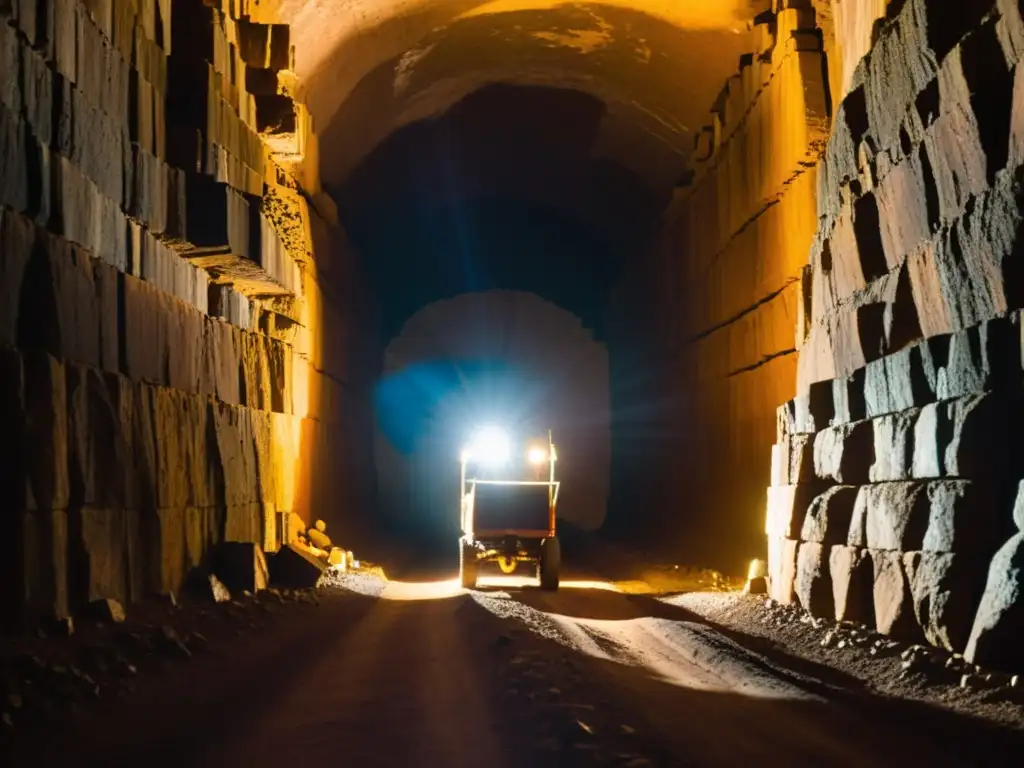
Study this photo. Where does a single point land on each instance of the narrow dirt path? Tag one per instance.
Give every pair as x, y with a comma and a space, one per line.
401, 687
429, 675
383, 683
710, 700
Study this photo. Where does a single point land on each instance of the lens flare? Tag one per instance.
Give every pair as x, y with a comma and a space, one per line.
490, 446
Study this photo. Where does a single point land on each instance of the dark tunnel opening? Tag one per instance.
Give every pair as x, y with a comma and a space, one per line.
502, 192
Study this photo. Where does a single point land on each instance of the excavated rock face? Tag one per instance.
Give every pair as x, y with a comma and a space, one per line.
163, 365
913, 302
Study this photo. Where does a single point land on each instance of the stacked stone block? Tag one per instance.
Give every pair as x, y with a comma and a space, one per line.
214, 121
156, 403
136, 405
895, 473
725, 279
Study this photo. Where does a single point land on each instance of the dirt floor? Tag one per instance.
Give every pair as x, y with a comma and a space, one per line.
865, 660
417, 671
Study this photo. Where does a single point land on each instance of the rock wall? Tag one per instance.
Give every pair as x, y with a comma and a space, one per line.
853, 29
716, 302
178, 364
895, 472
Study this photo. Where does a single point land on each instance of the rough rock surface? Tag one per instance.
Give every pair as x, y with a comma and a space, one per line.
914, 326
829, 516
844, 454
813, 579
946, 589
782, 570
157, 406
852, 576
999, 624
894, 604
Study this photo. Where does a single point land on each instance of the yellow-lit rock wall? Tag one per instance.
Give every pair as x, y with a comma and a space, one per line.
174, 371
722, 295
854, 26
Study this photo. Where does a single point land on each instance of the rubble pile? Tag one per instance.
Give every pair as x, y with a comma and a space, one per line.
314, 541
70, 661
105, 654
922, 664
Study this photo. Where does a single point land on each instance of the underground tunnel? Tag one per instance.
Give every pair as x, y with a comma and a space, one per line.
267, 264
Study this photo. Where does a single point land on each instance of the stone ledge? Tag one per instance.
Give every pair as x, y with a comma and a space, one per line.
234, 241
980, 358
862, 310
966, 437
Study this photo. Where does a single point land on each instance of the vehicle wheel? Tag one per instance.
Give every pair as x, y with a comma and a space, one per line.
468, 565
550, 563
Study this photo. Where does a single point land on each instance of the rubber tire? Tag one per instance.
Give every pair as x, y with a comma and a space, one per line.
550, 563
468, 566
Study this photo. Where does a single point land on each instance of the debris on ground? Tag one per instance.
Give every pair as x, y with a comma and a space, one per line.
319, 539
296, 566
69, 660
756, 586
108, 652
59, 627
313, 542
885, 665
757, 578
338, 558
218, 591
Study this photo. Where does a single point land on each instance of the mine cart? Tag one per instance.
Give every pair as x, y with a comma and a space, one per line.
508, 507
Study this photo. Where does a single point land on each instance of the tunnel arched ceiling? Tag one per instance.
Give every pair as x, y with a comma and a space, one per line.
371, 66
520, 144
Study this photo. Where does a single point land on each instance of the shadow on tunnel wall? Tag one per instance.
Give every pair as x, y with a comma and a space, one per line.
500, 357
331, 474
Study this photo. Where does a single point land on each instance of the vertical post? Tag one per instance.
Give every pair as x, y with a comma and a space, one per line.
551, 485
462, 493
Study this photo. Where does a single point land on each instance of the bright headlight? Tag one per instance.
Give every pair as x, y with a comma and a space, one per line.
490, 446
537, 455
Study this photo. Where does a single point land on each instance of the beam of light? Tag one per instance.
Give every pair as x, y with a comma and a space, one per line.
443, 589
683, 653
490, 447
407, 401
403, 591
